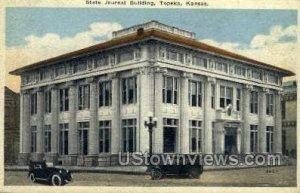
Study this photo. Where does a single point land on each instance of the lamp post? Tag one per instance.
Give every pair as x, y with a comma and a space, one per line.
151, 123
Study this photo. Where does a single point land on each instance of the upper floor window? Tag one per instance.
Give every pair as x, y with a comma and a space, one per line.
213, 90
44, 74
238, 99
254, 102
195, 94
257, 75
47, 102
225, 96
175, 56
270, 104
170, 90
272, 79
79, 65
64, 99
83, 97
33, 103
105, 93
60, 70
101, 60
129, 90
241, 71
124, 56
199, 61
222, 67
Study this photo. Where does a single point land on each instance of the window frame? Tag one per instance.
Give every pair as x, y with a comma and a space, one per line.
126, 126
63, 137
225, 98
104, 127
198, 93
47, 138
196, 125
254, 141
83, 97
173, 92
126, 98
103, 87
254, 102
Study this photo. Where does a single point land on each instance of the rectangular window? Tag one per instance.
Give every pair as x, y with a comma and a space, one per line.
253, 139
254, 102
101, 61
222, 67
83, 97
105, 93
33, 139
195, 94
269, 140
104, 136
129, 90
79, 65
33, 103
47, 138
175, 56
125, 56
225, 96
170, 90
129, 135
240, 71
196, 136
257, 75
270, 104
238, 99
47, 102
272, 79
45, 74
60, 71
83, 137
64, 139
199, 61
169, 135
64, 99
213, 90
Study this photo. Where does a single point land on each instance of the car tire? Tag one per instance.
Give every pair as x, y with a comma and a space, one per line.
194, 173
32, 177
156, 174
56, 180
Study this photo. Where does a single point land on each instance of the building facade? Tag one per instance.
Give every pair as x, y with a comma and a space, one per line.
84, 107
289, 118
11, 126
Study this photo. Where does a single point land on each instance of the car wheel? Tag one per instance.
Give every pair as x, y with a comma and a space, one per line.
32, 177
56, 180
194, 173
156, 174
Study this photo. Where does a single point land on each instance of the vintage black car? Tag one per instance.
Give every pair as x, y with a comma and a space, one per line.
187, 168
38, 171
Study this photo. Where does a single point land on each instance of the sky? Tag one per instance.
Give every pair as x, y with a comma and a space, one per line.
34, 34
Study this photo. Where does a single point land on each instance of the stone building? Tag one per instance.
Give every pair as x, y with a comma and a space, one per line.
11, 126
289, 118
84, 107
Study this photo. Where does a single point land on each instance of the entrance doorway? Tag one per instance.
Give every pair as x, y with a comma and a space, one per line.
230, 140
169, 139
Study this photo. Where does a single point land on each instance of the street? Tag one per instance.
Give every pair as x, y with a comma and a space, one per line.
277, 176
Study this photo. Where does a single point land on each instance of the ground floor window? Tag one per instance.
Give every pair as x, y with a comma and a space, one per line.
104, 136
47, 138
63, 139
83, 137
170, 132
253, 139
129, 135
195, 136
269, 135
33, 139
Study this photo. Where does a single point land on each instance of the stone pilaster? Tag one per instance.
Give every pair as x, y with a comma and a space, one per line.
116, 127
158, 132
25, 132
246, 126
54, 123
278, 124
208, 115
262, 121
40, 123
73, 132
144, 107
183, 138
